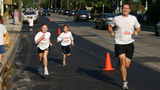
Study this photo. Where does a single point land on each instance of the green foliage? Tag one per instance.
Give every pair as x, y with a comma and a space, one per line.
153, 12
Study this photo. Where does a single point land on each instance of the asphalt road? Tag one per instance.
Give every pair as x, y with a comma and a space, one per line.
84, 67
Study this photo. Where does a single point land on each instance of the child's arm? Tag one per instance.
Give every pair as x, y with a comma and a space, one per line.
50, 42
38, 40
72, 42
59, 38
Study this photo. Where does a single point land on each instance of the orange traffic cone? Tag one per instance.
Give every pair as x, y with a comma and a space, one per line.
38, 15
59, 31
108, 63
50, 19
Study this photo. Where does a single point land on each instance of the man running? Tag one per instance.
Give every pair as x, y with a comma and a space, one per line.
124, 46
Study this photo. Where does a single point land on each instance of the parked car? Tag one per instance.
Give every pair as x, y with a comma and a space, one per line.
60, 11
54, 10
65, 12
91, 16
28, 14
104, 20
81, 15
71, 13
40, 10
46, 12
157, 28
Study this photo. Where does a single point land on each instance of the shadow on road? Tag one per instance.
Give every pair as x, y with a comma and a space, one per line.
34, 71
96, 74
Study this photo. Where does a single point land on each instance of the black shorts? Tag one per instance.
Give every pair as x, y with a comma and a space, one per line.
66, 49
30, 27
127, 49
42, 51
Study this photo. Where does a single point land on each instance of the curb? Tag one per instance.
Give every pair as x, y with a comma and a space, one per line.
7, 56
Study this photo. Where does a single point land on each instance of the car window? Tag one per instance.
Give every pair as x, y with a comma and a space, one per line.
29, 13
109, 15
80, 13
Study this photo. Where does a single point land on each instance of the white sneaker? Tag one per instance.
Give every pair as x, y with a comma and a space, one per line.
125, 87
40, 70
64, 64
46, 72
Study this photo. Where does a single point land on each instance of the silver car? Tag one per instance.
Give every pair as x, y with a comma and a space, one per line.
157, 28
28, 14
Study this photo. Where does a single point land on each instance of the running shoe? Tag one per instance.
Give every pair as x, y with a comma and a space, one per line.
40, 70
64, 64
125, 87
46, 72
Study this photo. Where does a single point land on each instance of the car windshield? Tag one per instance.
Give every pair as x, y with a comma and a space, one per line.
109, 15
45, 10
29, 13
81, 13
89, 13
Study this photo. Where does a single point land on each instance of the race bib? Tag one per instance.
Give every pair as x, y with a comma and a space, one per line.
126, 33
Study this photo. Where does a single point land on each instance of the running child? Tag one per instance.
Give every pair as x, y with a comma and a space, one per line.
42, 38
31, 23
66, 39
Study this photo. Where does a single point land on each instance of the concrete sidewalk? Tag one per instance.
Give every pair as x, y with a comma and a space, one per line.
13, 37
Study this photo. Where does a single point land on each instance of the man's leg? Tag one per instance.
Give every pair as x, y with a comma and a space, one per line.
123, 70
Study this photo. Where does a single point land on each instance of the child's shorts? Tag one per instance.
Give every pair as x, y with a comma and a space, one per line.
42, 51
2, 49
30, 27
66, 49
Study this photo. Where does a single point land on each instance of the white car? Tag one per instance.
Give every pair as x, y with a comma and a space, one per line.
157, 28
28, 14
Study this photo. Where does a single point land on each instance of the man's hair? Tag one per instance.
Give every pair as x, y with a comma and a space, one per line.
126, 4
0, 17
65, 25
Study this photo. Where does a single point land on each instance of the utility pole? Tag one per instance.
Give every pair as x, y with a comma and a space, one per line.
61, 3
51, 4
68, 4
48, 3
55, 3
80, 4
20, 8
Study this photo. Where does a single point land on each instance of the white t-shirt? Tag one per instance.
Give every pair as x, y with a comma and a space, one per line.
2, 31
30, 22
124, 28
36, 12
65, 38
44, 43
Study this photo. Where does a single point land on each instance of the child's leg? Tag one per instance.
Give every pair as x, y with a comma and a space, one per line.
64, 58
45, 58
40, 58
0, 58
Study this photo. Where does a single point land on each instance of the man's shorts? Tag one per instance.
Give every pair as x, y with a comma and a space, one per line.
2, 49
66, 49
127, 49
42, 51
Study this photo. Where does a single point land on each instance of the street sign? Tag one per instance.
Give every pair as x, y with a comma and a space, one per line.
135, 0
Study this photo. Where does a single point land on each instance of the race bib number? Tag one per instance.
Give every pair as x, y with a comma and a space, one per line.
126, 33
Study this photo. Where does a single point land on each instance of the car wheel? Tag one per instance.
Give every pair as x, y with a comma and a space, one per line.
96, 26
156, 31
100, 27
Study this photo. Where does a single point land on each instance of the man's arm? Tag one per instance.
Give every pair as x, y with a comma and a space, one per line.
4, 34
110, 30
137, 31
